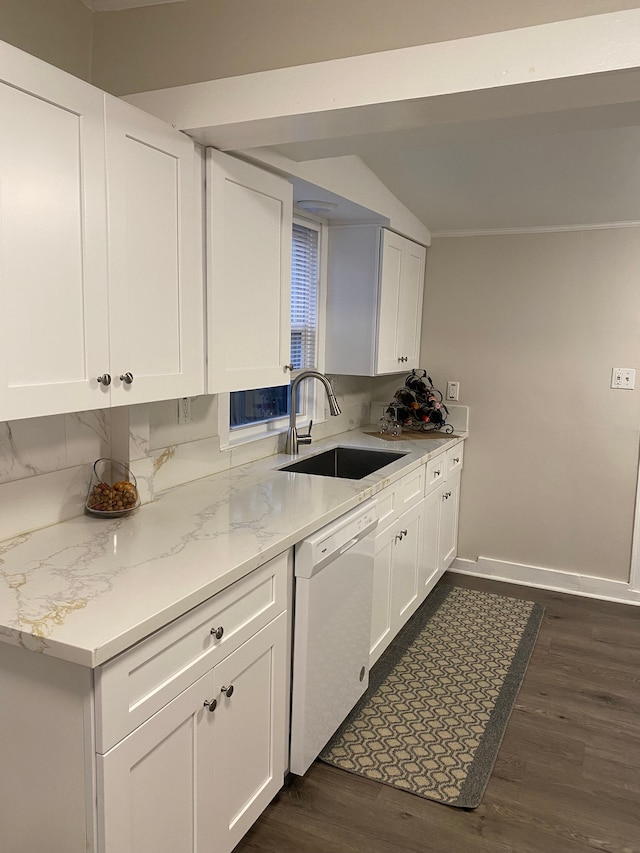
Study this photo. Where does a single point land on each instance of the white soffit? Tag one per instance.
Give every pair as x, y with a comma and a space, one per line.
117, 5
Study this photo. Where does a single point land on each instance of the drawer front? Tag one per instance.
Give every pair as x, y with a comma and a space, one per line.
411, 489
142, 680
399, 497
454, 459
436, 472
387, 501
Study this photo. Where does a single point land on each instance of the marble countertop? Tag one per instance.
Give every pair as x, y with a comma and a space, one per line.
86, 589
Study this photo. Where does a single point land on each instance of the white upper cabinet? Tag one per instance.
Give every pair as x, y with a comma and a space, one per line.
374, 301
249, 224
155, 284
53, 241
98, 270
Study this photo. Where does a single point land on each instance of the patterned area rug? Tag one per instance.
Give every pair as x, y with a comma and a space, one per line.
440, 697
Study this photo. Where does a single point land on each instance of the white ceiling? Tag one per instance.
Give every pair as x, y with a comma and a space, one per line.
576, 167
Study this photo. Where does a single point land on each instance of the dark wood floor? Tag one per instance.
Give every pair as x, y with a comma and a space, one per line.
567, 779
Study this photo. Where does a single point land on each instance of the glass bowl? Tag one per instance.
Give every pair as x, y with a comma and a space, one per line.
113, 490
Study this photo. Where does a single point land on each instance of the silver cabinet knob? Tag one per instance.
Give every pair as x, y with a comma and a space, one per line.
289, 367
400, 536
217, 632
456, 459
228, 691
437, 473
105, 379
211, 705
127, 378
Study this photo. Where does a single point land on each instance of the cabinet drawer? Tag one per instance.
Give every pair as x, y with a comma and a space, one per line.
436, 472
397, 498
140, 681
454, 459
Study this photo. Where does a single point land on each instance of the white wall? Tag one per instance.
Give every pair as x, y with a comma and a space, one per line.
531, 325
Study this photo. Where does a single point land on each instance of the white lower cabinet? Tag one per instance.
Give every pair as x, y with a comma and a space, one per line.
396, 591
176, 745
448, 534
195, 776
440, 533
415, 543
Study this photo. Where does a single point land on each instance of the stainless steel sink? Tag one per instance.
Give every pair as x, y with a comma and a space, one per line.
349, 463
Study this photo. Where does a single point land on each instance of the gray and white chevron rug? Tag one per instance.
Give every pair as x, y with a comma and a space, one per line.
440, 697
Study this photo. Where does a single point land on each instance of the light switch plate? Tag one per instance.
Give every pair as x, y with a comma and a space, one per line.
453, 390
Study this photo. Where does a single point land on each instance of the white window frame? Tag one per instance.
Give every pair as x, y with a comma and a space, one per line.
312, 403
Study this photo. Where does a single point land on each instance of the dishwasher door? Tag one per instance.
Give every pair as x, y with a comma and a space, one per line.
332, 634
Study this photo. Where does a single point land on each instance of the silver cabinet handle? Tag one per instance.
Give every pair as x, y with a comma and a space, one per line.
289, 367
211, 705
228, 691
127, 378
400, 536
217, 632
457, 459
105, 379
437, 473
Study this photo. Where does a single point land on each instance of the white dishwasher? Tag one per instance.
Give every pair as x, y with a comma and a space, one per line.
332, 629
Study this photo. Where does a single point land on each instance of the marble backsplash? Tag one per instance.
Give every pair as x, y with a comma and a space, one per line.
45, 463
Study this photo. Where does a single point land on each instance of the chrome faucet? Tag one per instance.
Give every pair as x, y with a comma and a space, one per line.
293, 439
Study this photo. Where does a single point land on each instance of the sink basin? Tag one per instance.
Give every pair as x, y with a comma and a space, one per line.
349, 463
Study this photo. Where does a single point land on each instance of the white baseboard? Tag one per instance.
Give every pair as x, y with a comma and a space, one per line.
553, 579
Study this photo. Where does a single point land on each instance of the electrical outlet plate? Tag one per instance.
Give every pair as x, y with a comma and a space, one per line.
453, 390
623, 377
184, 410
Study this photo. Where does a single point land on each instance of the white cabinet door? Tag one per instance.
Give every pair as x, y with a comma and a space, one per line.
396, 590
448, 539
381, 609
400, 305
155, 788
156, 287
391, 271
404, 572
53, 272
429, 564
250, 726
249, 224
410, 304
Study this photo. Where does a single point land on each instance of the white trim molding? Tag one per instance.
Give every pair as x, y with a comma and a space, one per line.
553, 579
538, 229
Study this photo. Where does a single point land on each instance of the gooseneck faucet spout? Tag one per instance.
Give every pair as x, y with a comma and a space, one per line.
293, 439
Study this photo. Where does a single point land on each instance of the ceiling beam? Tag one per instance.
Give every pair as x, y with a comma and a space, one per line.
562, 65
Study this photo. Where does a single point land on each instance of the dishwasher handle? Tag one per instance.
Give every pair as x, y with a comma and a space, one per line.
348, 546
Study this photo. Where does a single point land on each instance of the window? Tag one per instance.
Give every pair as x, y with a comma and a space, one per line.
266, 409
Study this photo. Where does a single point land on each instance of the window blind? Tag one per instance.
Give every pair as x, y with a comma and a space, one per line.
304, 289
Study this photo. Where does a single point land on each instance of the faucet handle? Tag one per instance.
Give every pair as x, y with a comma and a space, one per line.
305, 438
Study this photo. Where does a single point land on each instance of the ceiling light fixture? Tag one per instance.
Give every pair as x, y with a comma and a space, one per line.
316, 206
